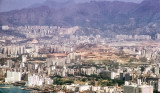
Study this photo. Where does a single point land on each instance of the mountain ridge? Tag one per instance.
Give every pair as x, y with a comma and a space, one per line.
76, 10
107, 16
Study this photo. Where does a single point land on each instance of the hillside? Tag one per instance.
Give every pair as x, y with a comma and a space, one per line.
116, 17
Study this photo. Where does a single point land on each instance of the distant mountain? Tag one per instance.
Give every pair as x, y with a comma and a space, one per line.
116, 17
148, 11
84, 14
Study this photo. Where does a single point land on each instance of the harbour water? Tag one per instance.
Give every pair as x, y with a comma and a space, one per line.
12, 89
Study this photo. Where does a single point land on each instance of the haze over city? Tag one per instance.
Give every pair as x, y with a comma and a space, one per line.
79, 46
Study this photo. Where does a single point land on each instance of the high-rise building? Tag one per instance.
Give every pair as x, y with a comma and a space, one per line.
130, 89
5, 27
13, 77
137, 89
145, 89
24, 58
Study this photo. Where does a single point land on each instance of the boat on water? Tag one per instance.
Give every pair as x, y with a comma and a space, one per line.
28, 89
22, 88
20, 83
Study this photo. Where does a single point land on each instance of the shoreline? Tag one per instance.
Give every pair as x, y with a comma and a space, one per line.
4, 87
10, 88
47, 88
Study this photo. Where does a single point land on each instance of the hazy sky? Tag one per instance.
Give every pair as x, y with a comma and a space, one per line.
7, 5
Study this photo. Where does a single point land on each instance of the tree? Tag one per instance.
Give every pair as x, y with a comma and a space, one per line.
142, 68
84, 79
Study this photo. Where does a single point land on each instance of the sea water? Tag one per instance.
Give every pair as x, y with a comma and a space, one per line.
12, 89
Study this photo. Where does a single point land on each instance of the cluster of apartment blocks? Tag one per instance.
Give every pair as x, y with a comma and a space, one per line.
41, 31
56, 34
39, 73
34, 50
137, 37
92, 89
138, 89
111, 89
31, 49
58, 66
136, 81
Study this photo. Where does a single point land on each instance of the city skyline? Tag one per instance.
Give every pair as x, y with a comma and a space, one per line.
73, 46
